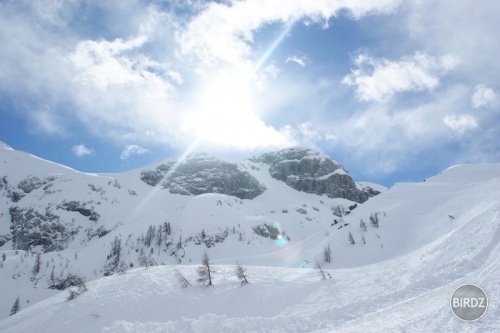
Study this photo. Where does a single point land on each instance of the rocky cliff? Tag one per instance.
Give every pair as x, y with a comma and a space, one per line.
200, 174
310, 171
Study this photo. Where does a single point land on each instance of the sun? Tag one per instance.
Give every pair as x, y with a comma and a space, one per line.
224, 114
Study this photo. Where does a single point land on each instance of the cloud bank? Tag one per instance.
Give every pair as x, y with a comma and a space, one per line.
420, 81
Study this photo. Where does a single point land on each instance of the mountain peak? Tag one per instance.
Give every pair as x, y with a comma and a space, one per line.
308, 170
3, 145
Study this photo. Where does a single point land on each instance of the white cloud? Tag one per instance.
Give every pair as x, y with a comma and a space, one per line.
81, 150
120, 88
379, 79
462, 123
300, 60
223, 33
133, 150
47, 121
483, 96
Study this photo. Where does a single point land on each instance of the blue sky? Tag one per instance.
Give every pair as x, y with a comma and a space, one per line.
393, 90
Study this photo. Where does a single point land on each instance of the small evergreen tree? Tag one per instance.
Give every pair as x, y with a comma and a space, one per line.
36, 267
3, 257
114, 262
149, 236
16, 307
374, 220
159, 236
52, 278
327, 254
351, 239
362, 225
241, 273
205, 270
363, 239
167, 228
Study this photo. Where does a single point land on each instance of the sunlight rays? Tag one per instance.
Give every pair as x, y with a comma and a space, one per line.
273, 46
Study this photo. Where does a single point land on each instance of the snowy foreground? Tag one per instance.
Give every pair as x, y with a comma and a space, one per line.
435, 236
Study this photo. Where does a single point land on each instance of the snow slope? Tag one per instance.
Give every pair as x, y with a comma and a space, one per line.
431, 238
97, 209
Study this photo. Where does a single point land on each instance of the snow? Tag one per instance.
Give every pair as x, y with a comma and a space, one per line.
377, 187
336, 172
432, 237
5, 146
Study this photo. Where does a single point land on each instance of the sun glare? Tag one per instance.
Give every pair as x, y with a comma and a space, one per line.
224, 115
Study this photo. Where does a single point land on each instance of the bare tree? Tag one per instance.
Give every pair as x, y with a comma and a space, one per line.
324, 274
338, 211
182, 279
205, 270
80, 284
72, 295
146, 261
240, 272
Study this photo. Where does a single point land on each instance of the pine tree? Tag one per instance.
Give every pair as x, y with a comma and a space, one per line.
149, 236
144, 261
159, 236
36, 267
374, 220
16, 307
363, 239
351, 239
52, 278
116, 250
167, 228
327, 254
205, 270
114, 262
362, 225
3, 257
241, 273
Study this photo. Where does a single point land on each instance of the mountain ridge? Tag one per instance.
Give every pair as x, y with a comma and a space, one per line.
278, 232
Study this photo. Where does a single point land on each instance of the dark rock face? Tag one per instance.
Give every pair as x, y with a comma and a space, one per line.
201, 174
310, 171
31, 228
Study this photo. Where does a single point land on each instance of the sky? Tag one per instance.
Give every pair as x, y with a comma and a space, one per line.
393, 90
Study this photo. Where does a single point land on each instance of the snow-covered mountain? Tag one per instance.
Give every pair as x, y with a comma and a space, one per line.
395, 258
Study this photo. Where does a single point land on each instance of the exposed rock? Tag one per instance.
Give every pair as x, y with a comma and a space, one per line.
33, 183
31, 228
310, 171
77, 206
200, 174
